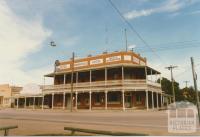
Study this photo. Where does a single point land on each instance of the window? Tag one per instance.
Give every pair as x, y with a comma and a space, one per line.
87, 101
78, 100
97, 98
114, 97
6, 100
138, 99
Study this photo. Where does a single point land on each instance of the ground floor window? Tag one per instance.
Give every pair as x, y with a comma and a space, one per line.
138, 99
6, 100
114, 97
97, 99
78, 100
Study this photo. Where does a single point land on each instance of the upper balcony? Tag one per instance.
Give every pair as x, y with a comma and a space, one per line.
109, 78
129, 85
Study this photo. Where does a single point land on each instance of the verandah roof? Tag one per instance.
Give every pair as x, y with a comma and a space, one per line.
149, 71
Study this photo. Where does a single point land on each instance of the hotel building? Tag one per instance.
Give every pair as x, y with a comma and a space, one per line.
118, 80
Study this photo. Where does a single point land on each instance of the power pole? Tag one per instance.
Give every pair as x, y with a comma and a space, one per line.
126, 40
186, 82
72, 80
172, 80
195, 86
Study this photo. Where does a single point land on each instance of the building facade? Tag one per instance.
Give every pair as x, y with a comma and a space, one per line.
118, 80
6, 93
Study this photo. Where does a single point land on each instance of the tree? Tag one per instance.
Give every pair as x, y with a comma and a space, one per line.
189, 94
166, 86
184, 94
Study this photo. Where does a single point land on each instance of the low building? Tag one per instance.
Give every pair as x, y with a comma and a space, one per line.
6, 93
118, 80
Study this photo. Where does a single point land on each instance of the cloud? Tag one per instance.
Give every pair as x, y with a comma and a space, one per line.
18, 39
169, 7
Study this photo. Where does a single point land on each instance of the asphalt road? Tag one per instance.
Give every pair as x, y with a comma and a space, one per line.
33, 122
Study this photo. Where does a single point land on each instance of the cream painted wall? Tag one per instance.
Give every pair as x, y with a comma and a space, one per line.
5, 93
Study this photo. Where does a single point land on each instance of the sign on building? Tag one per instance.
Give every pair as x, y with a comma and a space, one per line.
136, 60
142, 63
113, 58
64, 66
96, 61
127, 57
81, 64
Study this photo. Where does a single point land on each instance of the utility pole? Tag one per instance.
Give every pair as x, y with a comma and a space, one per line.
52, 43
186, 82
195, 86
72, 80
171, 67
126, 40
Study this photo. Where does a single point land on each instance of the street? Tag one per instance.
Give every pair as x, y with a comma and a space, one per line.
33, 122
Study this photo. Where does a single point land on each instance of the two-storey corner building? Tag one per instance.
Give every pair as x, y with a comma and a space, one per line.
118, 80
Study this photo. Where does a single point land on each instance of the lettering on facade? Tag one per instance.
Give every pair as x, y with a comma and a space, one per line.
113, 58
142, 63
64, 66
136, 60
127, 57
81, 64
96, 61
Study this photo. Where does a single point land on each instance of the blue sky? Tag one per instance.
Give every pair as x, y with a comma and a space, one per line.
91, 27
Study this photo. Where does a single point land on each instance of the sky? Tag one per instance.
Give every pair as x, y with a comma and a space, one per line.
170, 30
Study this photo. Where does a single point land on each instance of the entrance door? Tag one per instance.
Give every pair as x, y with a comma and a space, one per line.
68, 102
128, 101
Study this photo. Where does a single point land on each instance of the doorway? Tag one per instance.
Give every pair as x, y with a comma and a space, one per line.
128, 100
1, 101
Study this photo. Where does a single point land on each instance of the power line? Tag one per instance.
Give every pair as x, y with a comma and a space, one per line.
133, 29
171, 47
182, 72
186, 69
177, 42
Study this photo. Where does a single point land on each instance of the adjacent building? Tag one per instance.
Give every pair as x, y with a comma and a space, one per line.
6, 93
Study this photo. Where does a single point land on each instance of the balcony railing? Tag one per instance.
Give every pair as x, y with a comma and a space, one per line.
103, 84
